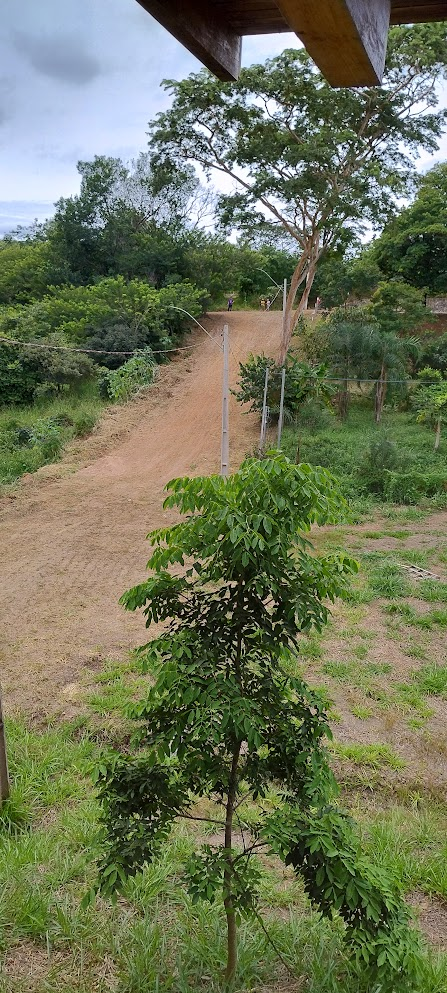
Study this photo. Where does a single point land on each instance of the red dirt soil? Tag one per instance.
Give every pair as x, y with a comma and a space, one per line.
73, 537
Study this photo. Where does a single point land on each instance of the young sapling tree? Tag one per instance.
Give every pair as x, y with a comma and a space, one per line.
225, 717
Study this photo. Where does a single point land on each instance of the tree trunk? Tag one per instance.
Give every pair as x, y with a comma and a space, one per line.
230, 971
343, 397
438, 433
380, 395
305, 270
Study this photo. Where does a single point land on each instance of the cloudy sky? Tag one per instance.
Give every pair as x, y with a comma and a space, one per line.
79, 78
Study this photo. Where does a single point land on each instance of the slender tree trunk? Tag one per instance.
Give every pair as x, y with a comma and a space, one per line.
230, 971
287, 331
380, 395
438, 433
343, 396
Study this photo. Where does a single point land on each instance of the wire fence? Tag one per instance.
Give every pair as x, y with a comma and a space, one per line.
96, 351
198, 344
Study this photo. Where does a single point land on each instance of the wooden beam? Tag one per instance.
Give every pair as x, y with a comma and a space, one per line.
197, 26
346, 38
417, 11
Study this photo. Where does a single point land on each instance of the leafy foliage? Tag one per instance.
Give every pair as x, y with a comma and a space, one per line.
303, 383
434, 354
323, 848
26, 373
223, 717
430, 403
413, 245
121, 384
76, 313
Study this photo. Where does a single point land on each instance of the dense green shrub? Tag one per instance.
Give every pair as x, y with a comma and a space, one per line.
381, 457
30, 373
409, 487
303, 383
120, 384
434, 354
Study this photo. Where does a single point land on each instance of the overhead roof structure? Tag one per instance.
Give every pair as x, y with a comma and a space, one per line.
346, 38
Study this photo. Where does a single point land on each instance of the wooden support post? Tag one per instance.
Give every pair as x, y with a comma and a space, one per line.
4, 776
198, 26
225, 449
264, 418
281, 406
346, 38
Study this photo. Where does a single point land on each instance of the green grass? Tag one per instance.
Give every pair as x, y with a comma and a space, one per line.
363, 713
35, 435
410, 843
374, 756
343, 447
154, 939
426, 621
432, 590
432, 679
388, 580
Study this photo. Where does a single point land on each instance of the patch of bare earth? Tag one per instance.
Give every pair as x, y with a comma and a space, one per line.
431, 916
29, 968
73, 535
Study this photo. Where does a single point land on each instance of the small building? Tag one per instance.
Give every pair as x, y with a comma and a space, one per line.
346, 38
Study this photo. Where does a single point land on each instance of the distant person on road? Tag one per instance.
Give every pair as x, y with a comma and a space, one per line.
230, 303
268, 303
262, 303
318, 303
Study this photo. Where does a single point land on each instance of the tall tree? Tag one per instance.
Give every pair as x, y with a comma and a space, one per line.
414, 245
316, 163
127, 217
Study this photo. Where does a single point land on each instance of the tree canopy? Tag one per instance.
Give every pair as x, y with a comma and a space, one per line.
413, 245
314, 162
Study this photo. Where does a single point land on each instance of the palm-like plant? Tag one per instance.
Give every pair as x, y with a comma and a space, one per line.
352, 339
390, 356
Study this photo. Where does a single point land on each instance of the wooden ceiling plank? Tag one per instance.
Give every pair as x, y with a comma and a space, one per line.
204, 33
413, 12
346, 38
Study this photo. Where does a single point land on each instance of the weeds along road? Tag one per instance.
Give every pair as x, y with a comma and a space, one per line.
72, 538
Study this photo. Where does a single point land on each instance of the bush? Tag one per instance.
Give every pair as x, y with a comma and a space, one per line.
303, 383
409, 487
381, 458
123, 383
435, 354
84, 422
116, 337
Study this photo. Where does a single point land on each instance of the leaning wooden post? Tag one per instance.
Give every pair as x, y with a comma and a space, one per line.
4, 776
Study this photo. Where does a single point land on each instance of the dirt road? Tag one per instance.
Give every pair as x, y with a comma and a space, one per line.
70, 545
